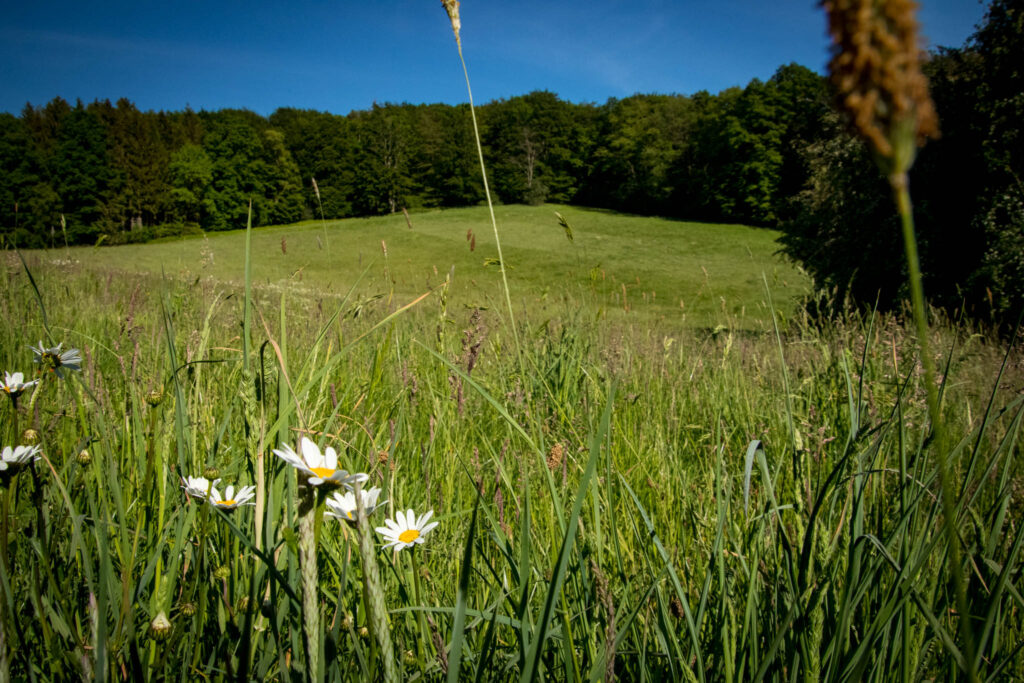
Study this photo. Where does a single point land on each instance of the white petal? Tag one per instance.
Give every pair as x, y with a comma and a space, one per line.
330, 459
424, 518
311, 453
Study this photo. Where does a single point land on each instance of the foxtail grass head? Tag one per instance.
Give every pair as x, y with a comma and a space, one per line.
876, 73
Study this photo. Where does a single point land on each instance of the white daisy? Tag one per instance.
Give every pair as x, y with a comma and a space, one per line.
57, 361
14, 384
198, 487
231, 498
13, 459
343, 505
406, 530
322, 469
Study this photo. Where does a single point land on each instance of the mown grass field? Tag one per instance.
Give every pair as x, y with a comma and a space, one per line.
660, 494
618, 266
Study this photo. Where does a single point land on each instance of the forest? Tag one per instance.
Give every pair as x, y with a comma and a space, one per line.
772, 153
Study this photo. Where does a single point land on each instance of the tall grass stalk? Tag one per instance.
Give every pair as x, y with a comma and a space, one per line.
452, 8
901, 192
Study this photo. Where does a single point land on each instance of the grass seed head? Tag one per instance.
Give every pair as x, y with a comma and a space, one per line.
876, 73
452, 8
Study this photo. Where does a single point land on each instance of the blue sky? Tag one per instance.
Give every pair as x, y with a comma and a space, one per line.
339, 56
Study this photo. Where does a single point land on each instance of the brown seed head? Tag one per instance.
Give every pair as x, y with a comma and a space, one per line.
555, 456
876, 72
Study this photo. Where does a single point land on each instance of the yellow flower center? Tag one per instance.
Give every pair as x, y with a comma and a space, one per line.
349, 513
409, 535
322, 472
226, 503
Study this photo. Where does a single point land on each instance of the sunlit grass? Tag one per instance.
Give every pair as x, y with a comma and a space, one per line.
617, 266
623, 518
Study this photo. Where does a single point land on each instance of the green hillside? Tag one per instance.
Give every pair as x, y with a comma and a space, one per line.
617, 265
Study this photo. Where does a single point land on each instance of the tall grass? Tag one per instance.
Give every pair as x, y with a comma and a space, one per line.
645, 506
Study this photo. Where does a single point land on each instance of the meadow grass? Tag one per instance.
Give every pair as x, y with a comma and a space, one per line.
618, 266
635, 500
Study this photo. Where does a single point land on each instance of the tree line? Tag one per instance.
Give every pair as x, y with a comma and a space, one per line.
111, 170
771, 153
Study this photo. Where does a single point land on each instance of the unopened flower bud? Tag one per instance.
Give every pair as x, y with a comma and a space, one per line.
155, 398
222, 572
83, 457
211, 473
187, 609
160, 627
30, 437
409, 658
364, 632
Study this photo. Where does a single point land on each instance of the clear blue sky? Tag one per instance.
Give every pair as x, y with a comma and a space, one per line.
339, 56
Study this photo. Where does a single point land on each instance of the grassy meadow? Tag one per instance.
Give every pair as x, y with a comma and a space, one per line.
692, 483
687, 274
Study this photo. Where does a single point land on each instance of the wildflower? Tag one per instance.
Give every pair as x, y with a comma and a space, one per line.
232, 499
197, 487
406, 530
13, 459
321, 468
56, 361
343, 506
15, 385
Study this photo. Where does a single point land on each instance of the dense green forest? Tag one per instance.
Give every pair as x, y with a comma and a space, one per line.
770, 154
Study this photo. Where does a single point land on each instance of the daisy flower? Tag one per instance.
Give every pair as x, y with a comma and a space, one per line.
231, 498
406, 530
198, 487
320, 468
13, 459
343, 505
15, 385
57, 361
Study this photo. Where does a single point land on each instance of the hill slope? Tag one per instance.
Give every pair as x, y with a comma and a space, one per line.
644, 268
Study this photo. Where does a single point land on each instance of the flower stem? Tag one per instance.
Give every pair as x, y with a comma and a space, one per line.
901, 192
417, 598
310, 589
373, 592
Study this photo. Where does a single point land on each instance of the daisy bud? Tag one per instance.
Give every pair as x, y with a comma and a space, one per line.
187, 609
211, 473
83, 457
155, 398
409, 659
30, 437
364, 632
160, 627
222, 572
